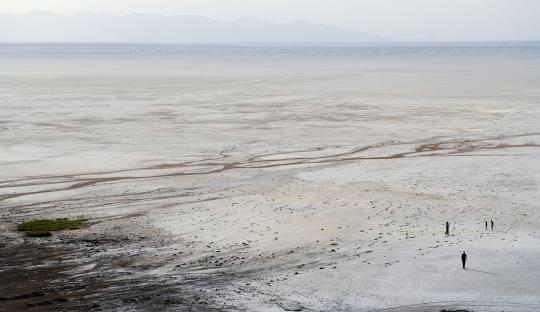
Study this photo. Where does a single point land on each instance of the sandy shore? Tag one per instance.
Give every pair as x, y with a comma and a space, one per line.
272, 184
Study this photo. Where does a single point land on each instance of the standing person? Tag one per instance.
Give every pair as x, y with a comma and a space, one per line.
463, 259
447, 228
492, 224
486, 225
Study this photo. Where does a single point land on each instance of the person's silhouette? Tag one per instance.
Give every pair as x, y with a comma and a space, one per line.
447, 228
486, 225
463, 259
492, 224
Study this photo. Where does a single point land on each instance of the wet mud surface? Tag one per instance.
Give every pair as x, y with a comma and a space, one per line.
51, 277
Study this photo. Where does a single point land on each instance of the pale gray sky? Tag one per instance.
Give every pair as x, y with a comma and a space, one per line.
403, 19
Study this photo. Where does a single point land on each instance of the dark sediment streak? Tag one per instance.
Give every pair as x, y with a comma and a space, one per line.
218, 165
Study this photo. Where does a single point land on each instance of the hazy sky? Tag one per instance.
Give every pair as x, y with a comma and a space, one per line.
401, 19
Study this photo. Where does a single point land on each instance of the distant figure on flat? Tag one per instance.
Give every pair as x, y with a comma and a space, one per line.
492, 224
486, 225
447, 228
463, 259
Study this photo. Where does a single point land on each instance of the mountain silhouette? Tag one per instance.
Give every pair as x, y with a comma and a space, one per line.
88, 27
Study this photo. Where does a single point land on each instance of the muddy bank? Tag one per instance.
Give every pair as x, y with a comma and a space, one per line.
83, 270
86, 274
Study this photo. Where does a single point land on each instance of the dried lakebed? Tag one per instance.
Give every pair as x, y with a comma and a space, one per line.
122, 261
270, 182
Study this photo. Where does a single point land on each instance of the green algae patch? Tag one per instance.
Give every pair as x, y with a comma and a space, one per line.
44, 227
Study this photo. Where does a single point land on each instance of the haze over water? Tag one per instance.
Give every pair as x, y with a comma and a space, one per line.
523, 48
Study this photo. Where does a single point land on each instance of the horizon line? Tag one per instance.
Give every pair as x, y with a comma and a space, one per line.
329, 43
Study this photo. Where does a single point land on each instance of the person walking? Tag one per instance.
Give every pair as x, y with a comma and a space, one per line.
463, 259
447, 228
492, 224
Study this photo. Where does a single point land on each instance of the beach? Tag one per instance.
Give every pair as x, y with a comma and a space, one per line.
250, 180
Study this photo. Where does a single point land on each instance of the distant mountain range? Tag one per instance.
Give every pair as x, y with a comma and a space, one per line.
89, 27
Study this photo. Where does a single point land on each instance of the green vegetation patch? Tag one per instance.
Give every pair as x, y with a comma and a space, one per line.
44, 227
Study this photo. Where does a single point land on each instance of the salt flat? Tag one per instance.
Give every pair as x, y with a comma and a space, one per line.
272, 182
